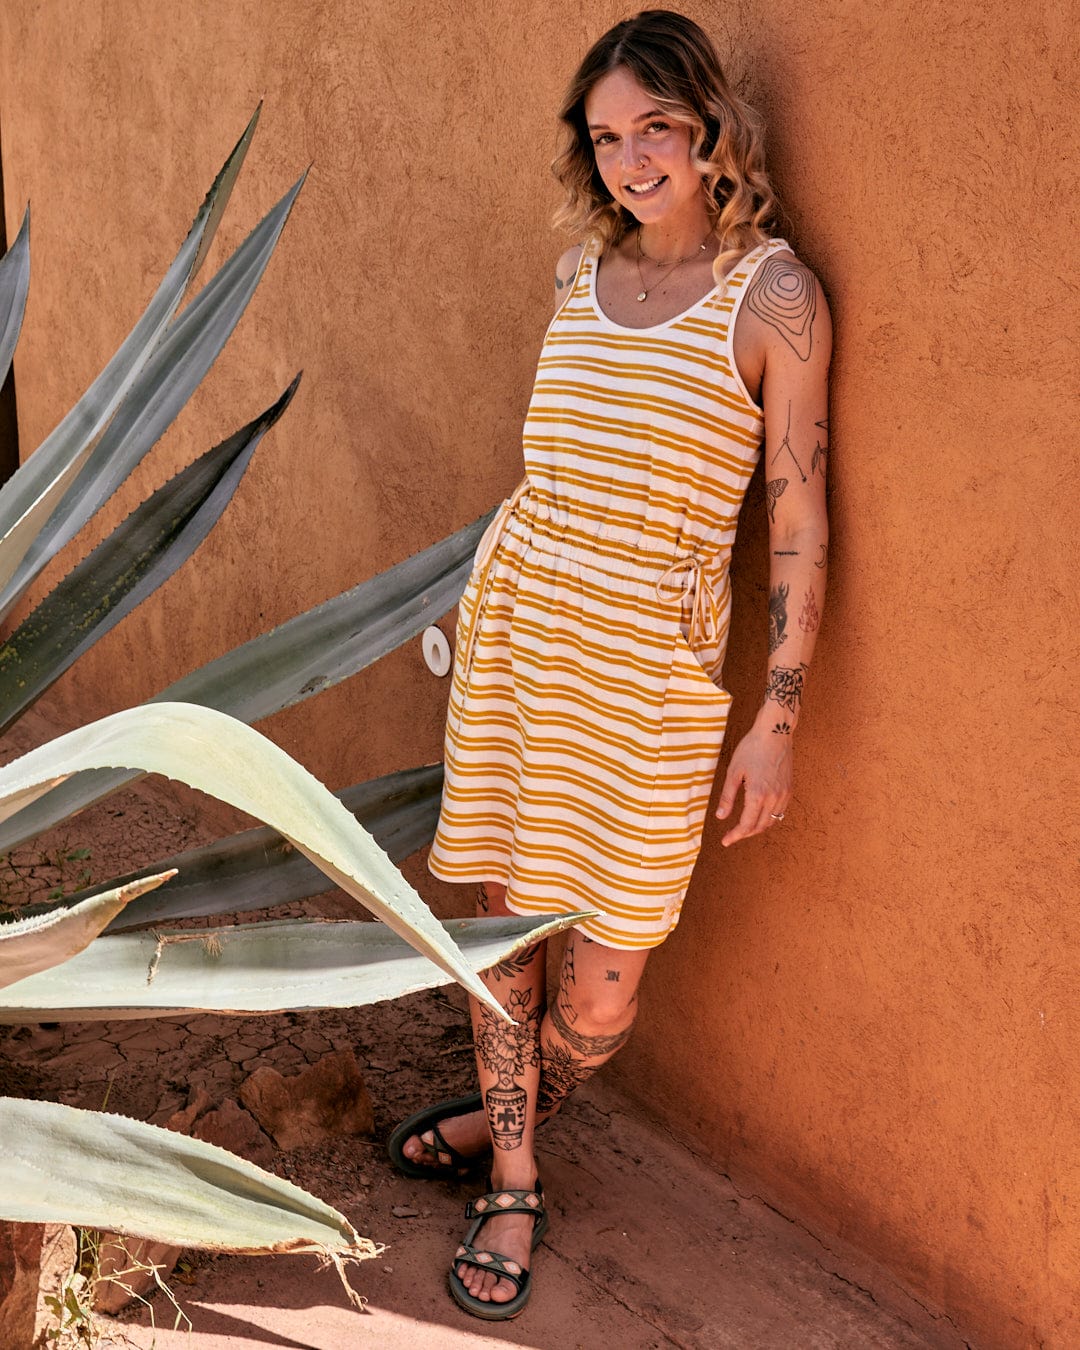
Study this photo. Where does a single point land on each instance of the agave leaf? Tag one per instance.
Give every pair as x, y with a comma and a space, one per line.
221, 756
31, 494
14, 284
307, 654
28, 946
165, 383
141, 553
258, 869
63, 1165
276, 966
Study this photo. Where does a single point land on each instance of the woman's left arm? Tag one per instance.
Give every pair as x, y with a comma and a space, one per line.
790, 312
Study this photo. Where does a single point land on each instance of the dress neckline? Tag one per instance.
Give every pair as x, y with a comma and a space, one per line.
648, 328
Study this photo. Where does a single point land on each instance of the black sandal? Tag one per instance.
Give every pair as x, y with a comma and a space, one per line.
451, 1164
482, 1209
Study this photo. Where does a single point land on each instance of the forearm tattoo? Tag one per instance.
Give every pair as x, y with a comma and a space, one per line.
777, 616
507, 1051
810, 616
785, 685
784, 294
817, 460
785, 448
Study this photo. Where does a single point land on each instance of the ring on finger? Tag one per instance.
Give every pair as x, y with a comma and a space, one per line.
775, 816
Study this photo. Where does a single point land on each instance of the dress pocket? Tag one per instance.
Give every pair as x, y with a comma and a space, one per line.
693, 723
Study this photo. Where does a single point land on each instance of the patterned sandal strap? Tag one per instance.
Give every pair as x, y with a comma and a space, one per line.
493, 1261
446, 1153
506, 1202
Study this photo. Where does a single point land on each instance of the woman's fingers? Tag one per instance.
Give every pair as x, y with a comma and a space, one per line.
762, 809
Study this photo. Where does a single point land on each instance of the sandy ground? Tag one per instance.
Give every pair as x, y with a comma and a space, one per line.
648, 1247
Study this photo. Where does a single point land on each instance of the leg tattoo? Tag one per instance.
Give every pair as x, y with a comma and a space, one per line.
507, 1051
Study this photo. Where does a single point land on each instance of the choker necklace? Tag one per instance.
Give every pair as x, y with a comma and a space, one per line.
643, 294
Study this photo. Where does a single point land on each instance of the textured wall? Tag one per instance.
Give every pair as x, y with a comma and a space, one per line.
873, 1011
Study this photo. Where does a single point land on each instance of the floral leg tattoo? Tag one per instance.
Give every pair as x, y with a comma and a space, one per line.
507, 1051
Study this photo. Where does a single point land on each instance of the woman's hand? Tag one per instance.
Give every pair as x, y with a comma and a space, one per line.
762, 766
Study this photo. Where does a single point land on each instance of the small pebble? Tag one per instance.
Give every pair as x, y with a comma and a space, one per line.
405, 1212
388, 1270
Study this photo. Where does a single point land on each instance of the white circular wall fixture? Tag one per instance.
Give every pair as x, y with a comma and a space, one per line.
436, 651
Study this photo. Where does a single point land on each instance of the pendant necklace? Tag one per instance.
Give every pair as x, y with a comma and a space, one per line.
643, 294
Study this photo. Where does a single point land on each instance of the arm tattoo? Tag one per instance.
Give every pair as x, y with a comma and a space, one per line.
785, 444
777, 616
559, 283
785, 552
821, 452
824, 555
785, 685
809, 618
774, 488
782, 729
784, 294
591, 1047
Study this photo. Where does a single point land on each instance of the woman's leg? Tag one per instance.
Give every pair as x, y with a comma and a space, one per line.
508, 1066
591, 1016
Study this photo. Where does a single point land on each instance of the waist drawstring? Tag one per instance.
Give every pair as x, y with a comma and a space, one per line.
687, 577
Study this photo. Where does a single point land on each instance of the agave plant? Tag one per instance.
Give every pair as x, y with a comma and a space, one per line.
56, 961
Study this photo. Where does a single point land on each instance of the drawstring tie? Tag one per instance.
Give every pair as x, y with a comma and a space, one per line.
687, 578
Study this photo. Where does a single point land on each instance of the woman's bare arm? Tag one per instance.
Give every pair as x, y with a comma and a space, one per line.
788, 308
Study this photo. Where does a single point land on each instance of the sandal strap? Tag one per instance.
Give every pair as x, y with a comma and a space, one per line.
493, 1261
447, 1154
506, 1202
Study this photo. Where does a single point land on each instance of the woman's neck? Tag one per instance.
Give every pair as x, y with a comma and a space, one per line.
663, 241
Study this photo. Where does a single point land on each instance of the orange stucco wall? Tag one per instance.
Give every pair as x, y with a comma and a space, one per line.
874, 1011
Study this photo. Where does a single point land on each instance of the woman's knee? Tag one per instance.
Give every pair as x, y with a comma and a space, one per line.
597, 1009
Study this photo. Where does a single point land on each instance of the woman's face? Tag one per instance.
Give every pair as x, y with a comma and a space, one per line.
641, 154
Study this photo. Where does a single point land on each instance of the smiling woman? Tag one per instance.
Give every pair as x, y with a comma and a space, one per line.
586, 714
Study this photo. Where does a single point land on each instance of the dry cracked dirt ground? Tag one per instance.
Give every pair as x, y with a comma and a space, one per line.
649, 1247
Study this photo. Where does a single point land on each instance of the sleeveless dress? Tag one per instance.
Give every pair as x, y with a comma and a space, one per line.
586, 715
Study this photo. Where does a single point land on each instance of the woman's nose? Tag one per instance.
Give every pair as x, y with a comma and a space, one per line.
632, 157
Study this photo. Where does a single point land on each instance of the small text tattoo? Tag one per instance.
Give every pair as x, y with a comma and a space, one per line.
612, 975
824, 555
784, 294
785, 445
785, 685
777, 616
809, 618
785, 552
774, 488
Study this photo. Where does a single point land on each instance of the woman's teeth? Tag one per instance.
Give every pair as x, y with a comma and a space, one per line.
645, 187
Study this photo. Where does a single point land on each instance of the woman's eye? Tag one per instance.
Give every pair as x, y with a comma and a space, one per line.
605, 138
658, 126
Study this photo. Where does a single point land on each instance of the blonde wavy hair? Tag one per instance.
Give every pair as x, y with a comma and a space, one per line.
675, 62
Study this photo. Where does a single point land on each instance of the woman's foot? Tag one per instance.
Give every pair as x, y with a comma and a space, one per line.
511, 1236
467, 1134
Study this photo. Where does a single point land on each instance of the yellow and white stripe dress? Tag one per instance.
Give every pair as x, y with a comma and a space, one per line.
586, 717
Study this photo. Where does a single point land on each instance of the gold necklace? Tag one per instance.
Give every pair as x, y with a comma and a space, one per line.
643, 294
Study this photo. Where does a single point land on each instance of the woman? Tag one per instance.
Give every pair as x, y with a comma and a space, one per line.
586, 716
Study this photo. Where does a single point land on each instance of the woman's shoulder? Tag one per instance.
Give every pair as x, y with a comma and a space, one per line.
567, 266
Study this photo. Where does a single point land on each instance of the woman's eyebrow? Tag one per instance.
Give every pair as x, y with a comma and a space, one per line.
642, 117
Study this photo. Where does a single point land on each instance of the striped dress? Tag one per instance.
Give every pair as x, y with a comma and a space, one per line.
586, 714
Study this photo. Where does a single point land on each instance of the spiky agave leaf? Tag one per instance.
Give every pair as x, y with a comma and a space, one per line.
223, 757
14, 284
302, 657
258, 869
165, 383
141, 553
108, 1172
32, 493
30, 945
285, 965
